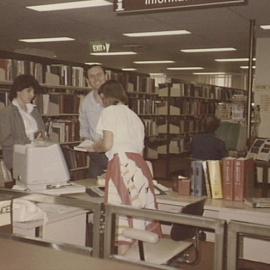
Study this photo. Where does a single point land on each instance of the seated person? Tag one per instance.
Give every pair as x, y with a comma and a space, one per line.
207, 146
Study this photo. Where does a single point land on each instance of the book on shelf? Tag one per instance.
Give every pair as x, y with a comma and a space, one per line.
243, 178
163, 91
162, 108
52, 79
162, 149
263, 202
83, 146
197, 179
215, 178
228, 178
151, 152
2, 74
174, 110
206, 179
174, 129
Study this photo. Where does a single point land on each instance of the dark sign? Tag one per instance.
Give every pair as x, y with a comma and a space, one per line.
123, 6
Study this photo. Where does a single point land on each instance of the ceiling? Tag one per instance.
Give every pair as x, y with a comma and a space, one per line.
211, 27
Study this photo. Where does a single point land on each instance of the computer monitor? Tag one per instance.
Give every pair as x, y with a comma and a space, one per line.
233, 134
37, 165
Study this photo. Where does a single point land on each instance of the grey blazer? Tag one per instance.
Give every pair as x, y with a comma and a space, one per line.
12, 130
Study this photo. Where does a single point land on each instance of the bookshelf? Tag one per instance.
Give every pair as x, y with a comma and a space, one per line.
182, 108
172, 113
64, 87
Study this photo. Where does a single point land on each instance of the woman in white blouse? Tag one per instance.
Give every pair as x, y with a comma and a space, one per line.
20, 122
128, 178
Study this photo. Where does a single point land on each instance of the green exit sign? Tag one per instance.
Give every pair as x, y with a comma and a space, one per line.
99, 46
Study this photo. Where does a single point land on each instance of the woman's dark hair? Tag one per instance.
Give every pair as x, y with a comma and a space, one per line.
21, 82
211, 124
115, 91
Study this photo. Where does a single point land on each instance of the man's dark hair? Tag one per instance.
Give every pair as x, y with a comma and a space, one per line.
211, 124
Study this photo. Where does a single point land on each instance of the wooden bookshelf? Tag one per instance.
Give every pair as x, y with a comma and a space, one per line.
64, 87
181, 110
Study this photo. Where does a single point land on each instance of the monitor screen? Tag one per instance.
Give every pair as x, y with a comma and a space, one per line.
38, 165
233, 134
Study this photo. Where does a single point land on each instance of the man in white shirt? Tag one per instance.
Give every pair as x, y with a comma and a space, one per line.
89, 115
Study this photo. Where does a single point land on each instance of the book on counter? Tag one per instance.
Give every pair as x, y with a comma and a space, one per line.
243, 178
262, 202
83, 146
215, 178
228, 178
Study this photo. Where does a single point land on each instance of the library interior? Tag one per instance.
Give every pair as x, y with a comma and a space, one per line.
135, 134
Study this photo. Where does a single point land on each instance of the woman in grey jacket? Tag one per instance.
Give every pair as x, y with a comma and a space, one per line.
20, 122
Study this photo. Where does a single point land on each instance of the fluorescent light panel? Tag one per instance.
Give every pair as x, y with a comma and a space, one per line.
92, 63
70, 5
208, 50
209, 73
154, 62
265, 27
158, 33
156, 74
129, 69
113, 53
54, 39
184, 68
233, 59
246, 67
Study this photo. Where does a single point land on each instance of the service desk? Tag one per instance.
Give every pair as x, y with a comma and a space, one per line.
253, 249
32, 255
67, 218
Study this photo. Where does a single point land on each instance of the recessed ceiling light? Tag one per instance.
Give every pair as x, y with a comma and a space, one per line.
154, 62
92, 63
157, 74
233, 59
129, 69
265, 27
158, 33
185, 68
54, 39
209, 73
113, 53
70, 5
246, 67
208, 50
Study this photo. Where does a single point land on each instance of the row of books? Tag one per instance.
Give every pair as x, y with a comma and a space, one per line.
180, 125
229, 179
143, 106
57, 74
54, 74
185, 107
74, 159
181, 89
133, 82
151, 128
230, 111
63, 130
175, 146
10, 68
53, 104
